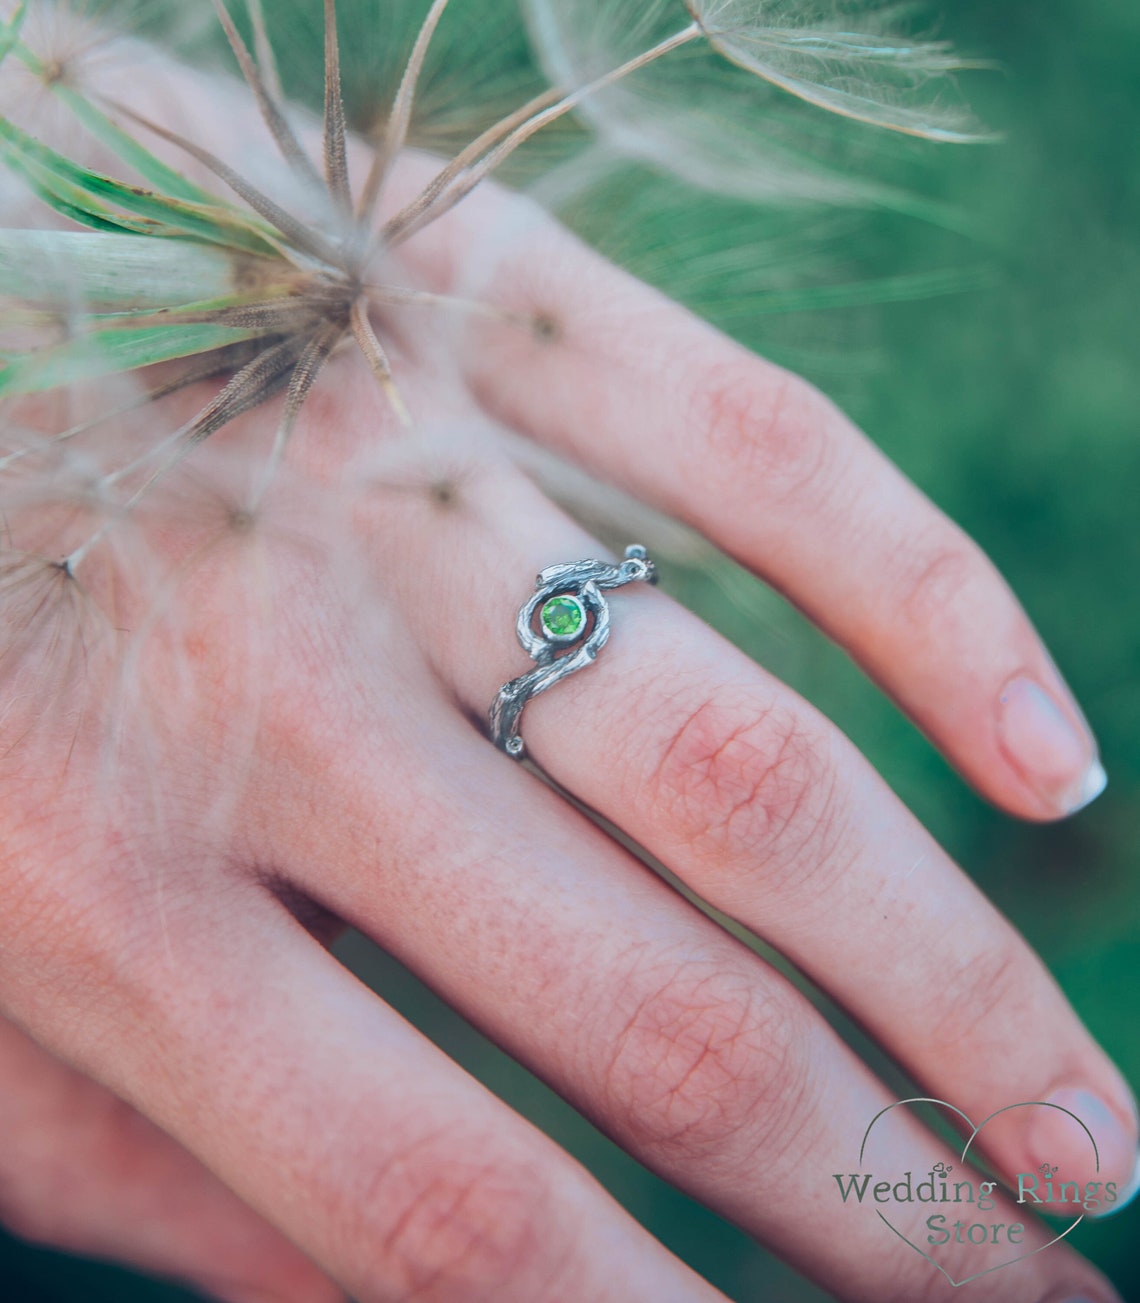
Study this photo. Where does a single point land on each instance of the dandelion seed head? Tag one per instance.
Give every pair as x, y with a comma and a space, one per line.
223, 399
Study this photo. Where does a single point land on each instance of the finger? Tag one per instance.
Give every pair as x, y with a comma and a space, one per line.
84, 1172
684, 1046
766, 811
756, 459
343, 1126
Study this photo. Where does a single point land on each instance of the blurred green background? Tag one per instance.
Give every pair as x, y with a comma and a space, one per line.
1013, 401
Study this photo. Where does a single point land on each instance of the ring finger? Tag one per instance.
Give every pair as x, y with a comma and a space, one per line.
768, 813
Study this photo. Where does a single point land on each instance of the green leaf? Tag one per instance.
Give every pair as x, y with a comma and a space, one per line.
57, 178
109, 352
165, 179
153, 170
66, 199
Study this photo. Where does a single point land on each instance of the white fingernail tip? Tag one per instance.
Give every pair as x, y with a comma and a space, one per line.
1123, 1197
1093, 783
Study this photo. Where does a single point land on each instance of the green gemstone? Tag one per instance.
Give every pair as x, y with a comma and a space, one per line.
563, 617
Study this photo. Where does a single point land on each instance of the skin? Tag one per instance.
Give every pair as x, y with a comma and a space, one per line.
283, 734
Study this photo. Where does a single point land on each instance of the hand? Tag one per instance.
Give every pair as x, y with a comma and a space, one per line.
280, 727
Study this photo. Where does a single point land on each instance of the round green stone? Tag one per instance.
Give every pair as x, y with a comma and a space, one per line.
563, 616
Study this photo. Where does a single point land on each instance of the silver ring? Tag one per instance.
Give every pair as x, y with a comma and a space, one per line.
562, 626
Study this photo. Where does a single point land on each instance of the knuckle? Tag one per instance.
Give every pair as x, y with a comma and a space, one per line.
971, 989
761, 424
737, 780
937, 581
448, 1222
704, 1065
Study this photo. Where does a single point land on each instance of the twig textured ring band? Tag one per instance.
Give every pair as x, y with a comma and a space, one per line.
573, 618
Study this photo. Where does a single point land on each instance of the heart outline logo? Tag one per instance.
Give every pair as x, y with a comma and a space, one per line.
974, 1132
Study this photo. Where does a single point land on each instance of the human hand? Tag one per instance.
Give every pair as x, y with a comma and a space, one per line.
288, 742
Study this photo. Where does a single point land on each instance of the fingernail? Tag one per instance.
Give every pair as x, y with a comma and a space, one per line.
1055, 755
1124, 1196
1058, 1137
